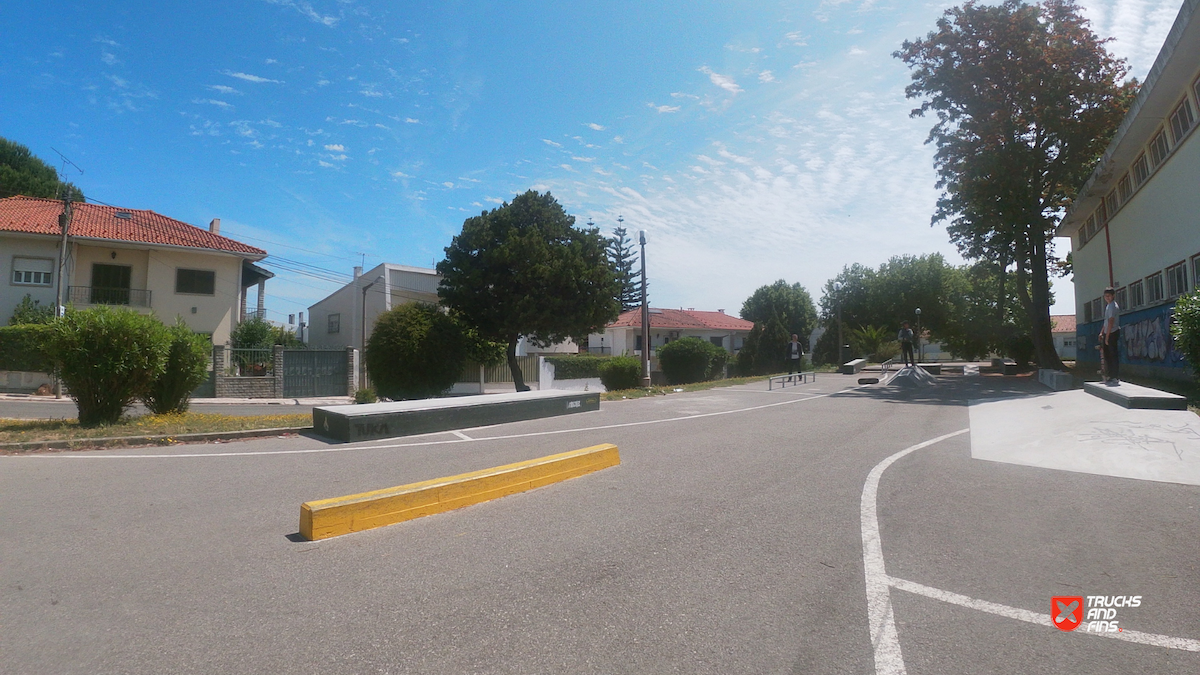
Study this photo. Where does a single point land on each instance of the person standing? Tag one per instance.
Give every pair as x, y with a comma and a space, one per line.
906, 344
1110, 338
794, 352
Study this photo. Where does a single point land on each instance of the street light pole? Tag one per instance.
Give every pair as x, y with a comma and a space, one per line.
362, 351
645, 315
920, 346
837, 287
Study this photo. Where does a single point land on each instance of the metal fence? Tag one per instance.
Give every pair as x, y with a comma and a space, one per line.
500, 372
245, 362
314, 372
93, 295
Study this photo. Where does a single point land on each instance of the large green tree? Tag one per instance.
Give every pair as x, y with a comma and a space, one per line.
1026, 98
890, 295
790, 302
23, 174
525, 269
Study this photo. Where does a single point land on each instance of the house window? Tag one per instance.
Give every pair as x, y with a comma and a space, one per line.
1195, 269
1111, 205
335, 324
1159, 148
1124, 188
1122, 297
637, 342
718, 341
1141, 170
1089, 229
195, 282
1182, 120
1068, 342
33, 271
1137, 294
1154, 287
1087, 312
1176, 280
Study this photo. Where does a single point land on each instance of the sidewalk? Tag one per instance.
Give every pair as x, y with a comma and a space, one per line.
1075, 431
327, 400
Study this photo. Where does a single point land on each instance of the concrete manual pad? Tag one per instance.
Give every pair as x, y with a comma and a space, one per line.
1075, 431
1135, 396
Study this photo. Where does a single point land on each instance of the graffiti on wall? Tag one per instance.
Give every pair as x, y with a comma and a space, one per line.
1145, 339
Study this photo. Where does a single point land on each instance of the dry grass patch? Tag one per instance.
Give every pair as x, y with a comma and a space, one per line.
16, 431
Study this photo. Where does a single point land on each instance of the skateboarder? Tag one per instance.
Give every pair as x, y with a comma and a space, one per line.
906, 344
794, 352
1110, 338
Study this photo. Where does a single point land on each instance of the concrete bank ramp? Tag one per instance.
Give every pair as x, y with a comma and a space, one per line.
911, 377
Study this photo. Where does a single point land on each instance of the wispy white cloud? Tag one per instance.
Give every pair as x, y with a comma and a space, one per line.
322, 83
595, 127
493, 200
855, 51
107, 41
664, 108
335, 147
109, 59
220, 88
213, 101
549, 142
797, 38
448, 184
1138, 28
766, 76
723, 81
371, 93
306, 9
583, 159
411, 120
251, 78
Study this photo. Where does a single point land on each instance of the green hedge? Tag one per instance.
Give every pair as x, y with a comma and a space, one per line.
23, 347
577, 366
621, 372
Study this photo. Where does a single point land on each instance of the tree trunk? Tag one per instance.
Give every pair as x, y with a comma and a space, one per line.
515, 367
1039, 306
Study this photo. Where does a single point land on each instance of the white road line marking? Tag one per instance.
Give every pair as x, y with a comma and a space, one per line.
1154, 639
888, 658
462, 435
347, 448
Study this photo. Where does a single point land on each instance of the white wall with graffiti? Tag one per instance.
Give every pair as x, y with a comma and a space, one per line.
1146, 349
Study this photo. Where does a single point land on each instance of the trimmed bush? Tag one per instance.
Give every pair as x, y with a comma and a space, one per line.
577, 366
108, 357
1185, 328
620, 372
365, 395
416, 351
253, 333
691, 359
31, 311
23, 347
186, 369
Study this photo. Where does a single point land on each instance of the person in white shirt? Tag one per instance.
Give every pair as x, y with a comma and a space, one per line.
1110, 338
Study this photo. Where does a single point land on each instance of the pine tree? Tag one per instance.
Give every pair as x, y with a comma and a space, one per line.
624, 261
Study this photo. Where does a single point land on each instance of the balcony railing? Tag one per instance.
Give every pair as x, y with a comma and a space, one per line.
601, 351
94, 295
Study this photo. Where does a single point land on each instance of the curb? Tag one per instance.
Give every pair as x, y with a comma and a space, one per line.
160, 439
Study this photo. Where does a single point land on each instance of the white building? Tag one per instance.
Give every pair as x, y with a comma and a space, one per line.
1062, 330
1136, 222
339, 320
129, 257
624, 336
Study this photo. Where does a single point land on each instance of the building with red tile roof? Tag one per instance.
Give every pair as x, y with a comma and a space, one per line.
129, 257
624, 336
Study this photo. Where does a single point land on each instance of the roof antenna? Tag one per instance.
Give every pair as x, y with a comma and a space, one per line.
63, 170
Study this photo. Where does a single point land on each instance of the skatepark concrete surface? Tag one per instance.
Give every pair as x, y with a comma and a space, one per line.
733, 538
1076, 431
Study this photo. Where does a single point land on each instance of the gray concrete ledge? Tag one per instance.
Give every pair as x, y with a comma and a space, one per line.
406, 418
1136, 397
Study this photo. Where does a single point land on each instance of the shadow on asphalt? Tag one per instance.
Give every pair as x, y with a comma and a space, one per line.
953, 390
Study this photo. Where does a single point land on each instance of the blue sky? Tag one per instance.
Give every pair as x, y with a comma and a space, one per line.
752, 140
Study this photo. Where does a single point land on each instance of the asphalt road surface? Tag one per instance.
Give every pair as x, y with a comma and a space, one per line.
729, 540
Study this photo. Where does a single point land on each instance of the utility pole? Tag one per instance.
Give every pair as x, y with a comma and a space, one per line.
362, 352
64, 223
645, 312
837, 287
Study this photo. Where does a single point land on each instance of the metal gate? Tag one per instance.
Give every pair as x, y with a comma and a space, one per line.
314, 372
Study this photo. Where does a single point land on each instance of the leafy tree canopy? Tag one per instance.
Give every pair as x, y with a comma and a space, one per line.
23, 174
525, 269
791, 303
1026, 98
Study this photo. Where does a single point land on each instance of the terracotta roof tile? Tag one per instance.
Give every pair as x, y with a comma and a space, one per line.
683, 319
95, 221
1062, 323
